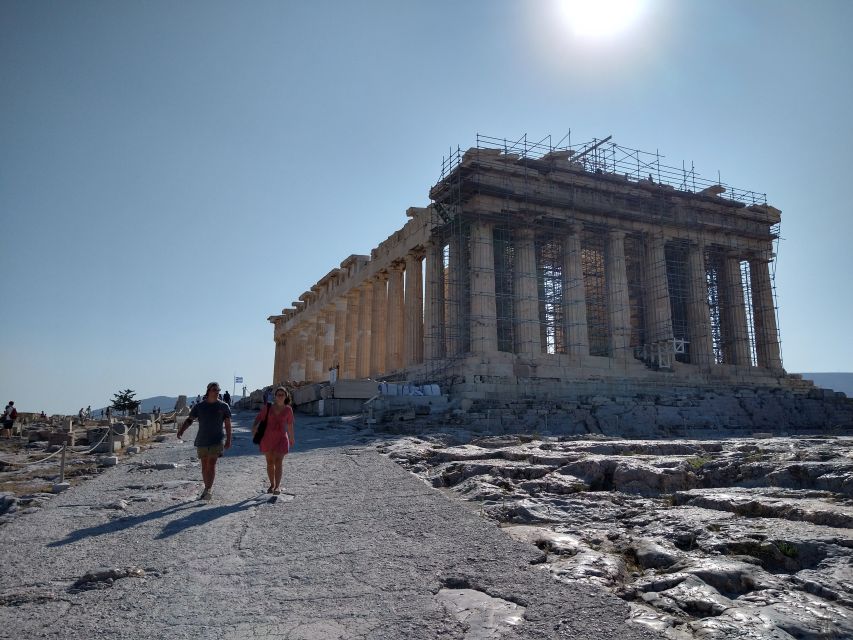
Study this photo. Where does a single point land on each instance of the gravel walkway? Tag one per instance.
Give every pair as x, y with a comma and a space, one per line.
355, 548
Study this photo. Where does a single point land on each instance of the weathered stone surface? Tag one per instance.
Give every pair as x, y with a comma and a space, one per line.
746, 538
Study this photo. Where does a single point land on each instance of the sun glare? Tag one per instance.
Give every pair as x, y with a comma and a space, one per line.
601, 19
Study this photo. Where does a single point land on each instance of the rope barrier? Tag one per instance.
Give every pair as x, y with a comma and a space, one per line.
32, 462
48, 457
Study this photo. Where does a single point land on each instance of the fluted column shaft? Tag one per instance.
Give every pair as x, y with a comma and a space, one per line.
618, 309
698, 310
434, 302
319, 338
377, 325
394, 325
764, 315
340, 333
365, 309
484, 326
658, 305
309, 331
574, 295
525, 299
736, 332
454, 332
279, 364
287, 357
297, 368
351, 341
414, 311
328, 340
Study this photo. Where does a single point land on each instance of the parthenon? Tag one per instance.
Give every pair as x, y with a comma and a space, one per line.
537, 267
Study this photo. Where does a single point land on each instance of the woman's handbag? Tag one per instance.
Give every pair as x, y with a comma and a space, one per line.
262, 426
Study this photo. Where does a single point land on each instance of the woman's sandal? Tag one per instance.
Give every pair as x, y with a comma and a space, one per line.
276, 492
269, 490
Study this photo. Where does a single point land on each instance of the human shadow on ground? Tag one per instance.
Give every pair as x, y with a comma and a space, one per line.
120, 524
204, 516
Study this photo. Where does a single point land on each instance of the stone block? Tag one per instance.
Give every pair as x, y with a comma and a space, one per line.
358, 389
60, 438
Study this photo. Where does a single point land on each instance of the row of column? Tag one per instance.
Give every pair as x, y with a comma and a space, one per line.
375, 328
657, 304
387, 323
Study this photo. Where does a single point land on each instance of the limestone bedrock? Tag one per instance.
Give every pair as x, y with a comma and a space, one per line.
356, 547
706, 539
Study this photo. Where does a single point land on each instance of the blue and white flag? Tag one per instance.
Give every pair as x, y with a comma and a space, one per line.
238, 379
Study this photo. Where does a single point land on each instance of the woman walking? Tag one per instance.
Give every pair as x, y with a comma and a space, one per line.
278, 436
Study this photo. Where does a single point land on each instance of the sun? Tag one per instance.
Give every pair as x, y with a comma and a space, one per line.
601, 19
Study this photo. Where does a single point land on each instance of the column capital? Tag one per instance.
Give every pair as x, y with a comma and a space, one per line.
761, 256
524, 233
576, 228
417, 252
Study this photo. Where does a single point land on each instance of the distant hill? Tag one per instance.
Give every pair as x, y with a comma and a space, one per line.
835, 381
166, 403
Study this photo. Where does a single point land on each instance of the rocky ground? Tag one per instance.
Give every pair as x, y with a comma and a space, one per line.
710, 539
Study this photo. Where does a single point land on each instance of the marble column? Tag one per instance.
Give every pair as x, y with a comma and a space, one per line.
340, 333
365, 309
394, 323
351, 341
298, 366
434, 302
658, 306
733, 316
414, 311
698, 310
309, 357
279, 364
329, 340
484, 325
287, 356
454, 332
319, 337
377, 325
764, 315
525, 300
574, 295
618, 309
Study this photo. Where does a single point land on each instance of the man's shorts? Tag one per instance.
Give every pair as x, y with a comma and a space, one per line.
214, 450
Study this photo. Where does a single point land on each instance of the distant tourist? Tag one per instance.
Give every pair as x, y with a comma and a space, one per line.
89, 411
197, 399
278, 436
80, 414
10, 414
268, 397
227, 398
42, 416
214, 434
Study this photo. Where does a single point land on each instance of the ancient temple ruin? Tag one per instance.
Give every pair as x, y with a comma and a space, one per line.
540, 269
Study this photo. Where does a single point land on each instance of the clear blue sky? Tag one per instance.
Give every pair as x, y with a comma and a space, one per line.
173, 173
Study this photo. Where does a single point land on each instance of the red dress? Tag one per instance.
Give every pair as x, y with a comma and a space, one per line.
275, 438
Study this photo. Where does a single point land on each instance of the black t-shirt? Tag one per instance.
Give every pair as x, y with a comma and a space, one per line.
211, 422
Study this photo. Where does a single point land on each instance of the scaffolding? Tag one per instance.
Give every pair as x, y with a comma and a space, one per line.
638, 296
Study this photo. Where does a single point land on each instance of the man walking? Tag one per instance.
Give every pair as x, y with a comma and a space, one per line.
214, 434
10, 414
